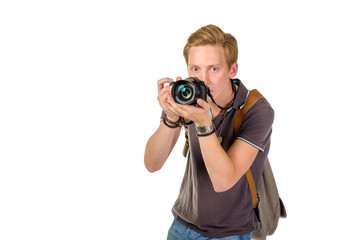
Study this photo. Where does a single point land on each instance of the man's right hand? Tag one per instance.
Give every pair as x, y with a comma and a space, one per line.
164, 93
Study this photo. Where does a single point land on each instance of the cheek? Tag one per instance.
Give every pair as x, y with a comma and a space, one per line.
217, 80
219, 83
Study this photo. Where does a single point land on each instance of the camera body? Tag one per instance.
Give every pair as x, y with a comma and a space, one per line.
187, 91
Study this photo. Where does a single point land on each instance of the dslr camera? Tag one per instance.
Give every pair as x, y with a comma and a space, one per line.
187, 91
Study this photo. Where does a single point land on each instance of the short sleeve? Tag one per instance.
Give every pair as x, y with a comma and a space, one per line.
257, 123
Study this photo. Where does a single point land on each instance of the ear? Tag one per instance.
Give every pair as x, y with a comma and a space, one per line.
233, 70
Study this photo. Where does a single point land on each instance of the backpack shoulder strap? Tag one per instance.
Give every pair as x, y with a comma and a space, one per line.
254, 95
186, 145
254, 196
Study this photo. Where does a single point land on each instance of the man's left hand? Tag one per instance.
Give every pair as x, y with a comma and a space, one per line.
200, 114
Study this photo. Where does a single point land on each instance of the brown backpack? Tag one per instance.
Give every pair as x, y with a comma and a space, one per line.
267, 203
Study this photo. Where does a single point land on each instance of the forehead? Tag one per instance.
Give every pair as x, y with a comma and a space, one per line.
207, 55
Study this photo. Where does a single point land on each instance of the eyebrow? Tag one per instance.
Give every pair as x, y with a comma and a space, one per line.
193, 65
210, 66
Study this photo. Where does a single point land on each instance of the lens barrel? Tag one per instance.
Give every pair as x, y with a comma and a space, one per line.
184, 92
187, 91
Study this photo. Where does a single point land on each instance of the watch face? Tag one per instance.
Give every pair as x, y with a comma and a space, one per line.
202, 130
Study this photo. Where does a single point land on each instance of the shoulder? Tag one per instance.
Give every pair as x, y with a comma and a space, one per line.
256, 126
261, 108
261, 111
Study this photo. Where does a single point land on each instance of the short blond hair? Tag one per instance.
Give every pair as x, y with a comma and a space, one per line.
213, 35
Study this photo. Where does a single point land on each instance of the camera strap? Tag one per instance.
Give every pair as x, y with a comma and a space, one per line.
233, 82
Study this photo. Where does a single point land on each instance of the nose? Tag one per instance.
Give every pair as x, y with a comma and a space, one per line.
204, 77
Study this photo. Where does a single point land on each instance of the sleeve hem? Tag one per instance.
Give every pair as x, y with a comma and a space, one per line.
254, 145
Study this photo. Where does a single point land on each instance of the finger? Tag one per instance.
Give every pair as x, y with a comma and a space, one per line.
203, 104
175, 107
178, 78
162, 81
162, 104
164, 93
166, 89
163, 98
170, 110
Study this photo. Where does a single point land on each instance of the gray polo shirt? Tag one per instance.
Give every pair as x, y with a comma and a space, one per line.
229, 213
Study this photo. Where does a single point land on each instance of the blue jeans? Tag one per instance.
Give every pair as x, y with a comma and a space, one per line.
178, 231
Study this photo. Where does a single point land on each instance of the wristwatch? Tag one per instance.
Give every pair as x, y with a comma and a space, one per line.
204, 130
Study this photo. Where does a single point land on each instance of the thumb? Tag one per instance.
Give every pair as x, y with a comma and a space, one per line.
202, 103
178, 78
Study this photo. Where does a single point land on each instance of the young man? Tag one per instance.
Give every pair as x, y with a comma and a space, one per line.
214, 199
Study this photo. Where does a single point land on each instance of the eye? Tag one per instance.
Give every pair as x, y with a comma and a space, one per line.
213, 69
195, 69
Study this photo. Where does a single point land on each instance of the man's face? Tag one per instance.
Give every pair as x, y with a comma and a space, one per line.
208, 63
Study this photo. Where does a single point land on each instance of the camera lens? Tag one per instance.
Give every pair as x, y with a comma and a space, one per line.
185, 92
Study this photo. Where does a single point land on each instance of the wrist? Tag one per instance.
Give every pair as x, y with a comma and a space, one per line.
204, 120
172, 119
207, 122
169, 122
202, 131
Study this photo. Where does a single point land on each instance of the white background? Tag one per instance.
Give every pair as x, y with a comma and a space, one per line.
78, 103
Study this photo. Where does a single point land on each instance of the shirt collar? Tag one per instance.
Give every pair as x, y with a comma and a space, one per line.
241, 96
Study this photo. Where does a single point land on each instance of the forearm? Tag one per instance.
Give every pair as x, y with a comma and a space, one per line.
220, 167
159, 147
